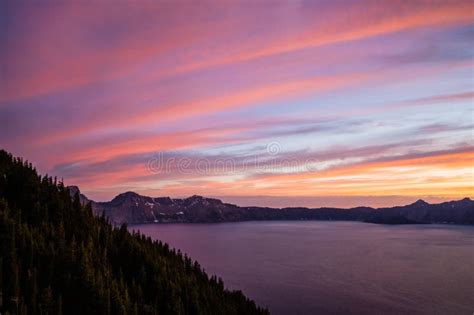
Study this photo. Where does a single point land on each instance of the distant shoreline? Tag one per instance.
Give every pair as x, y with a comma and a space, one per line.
132, 208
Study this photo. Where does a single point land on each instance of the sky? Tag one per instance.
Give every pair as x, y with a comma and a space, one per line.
314, 103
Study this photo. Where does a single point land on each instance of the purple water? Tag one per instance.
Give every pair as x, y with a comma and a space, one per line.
335, 267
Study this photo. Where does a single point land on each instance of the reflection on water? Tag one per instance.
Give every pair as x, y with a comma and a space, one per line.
335, 267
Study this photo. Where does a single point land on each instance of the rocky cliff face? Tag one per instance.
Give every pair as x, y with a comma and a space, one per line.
73, 190
132, 208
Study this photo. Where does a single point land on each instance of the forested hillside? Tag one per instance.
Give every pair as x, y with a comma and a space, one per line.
57, 257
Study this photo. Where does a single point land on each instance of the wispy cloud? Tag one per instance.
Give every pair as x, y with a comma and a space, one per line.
92, 92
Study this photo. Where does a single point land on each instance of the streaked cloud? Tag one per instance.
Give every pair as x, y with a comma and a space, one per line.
378, 95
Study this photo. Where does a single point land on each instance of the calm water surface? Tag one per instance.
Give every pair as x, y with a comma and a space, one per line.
335, 267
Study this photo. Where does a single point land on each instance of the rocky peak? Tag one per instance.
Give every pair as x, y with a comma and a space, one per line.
420, 203
126, 196
73, 190
195, 197
201, 201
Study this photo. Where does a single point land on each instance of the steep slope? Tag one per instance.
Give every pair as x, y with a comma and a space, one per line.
58, 257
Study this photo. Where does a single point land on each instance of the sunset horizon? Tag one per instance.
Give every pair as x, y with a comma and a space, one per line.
360, 100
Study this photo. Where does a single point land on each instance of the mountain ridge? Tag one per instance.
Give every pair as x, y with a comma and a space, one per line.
132, 208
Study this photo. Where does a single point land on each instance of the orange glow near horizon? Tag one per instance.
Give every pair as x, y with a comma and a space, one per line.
367, 99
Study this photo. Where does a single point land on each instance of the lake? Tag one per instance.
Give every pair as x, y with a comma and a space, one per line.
308, 267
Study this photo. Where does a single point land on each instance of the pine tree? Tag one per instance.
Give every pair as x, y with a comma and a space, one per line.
57, 257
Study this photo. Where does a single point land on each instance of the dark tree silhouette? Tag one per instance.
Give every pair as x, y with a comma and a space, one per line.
57, 257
